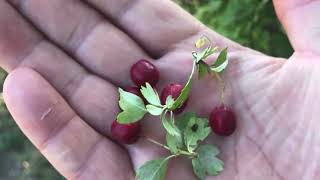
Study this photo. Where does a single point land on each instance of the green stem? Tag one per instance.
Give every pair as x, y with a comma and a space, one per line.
180, 152
172, 117
221, 85
157, 143
172, 156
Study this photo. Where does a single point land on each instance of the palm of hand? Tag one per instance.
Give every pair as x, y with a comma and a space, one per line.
67, 111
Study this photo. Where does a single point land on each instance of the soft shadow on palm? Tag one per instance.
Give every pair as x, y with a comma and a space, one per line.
65, 100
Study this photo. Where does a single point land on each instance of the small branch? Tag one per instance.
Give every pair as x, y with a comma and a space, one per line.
172, 117
172, 156
157, 143
180, 152
221, 86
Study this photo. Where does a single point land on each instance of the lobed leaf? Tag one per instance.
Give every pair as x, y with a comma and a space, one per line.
222, 62
169, 125
133, 108
207, 161
154, 110
153, 170
174, 143
150, 95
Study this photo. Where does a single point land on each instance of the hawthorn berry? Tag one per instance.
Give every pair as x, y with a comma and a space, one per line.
126, 133
173, 90
223, 121
144, 71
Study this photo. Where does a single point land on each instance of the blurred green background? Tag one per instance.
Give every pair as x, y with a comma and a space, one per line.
252, 23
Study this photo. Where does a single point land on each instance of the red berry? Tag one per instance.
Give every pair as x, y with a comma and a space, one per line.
126, 133
174, 90
223, 121
136, 91
144, 71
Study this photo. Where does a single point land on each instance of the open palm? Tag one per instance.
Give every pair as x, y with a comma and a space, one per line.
66, 60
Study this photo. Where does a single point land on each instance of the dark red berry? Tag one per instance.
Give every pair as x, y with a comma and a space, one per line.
174, 90
144, 71
223, 121
136, 91
126, 133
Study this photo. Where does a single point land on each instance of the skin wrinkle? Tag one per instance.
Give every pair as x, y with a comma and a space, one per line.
270, 165
27, 55
236, 162
130, 4
75, 83
82, 43
308, 137
291, 132
253, 117
315, 167
274, 97
82, 169
239, 88
55, 132
251, 114
94, 16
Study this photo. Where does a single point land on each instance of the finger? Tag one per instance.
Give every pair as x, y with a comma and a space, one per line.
93, 98
73, 147
158, 26
86, 35
300, 21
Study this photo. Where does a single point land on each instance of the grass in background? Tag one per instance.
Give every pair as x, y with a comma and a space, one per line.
252, 23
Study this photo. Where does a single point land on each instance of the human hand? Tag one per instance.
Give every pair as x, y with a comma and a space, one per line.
62, 86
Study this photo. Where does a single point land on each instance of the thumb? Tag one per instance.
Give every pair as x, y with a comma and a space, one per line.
301, 21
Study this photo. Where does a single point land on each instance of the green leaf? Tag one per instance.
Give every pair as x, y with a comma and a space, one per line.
169, 125
150, 95
185, 91
183, 120
220, 68
209, 53
154, 110
193, 128
196, 130
221, 62
169, 101
208, 161
132, 106
201, 55
174, 143
221, 58
153, 170
202, 69
198, 169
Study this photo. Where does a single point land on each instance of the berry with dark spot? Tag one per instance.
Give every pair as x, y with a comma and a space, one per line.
223, 121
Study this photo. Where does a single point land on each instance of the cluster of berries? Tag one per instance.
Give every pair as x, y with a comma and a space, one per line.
222, 119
